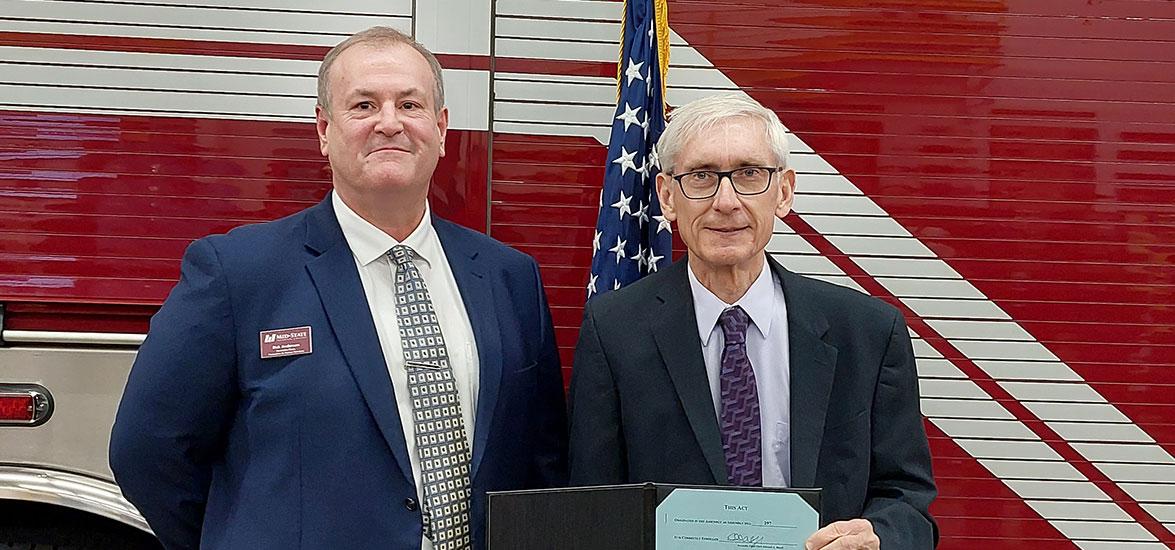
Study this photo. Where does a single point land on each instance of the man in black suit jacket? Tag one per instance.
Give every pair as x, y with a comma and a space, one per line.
785, 381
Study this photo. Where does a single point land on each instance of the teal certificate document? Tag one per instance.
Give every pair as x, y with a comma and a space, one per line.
703, 519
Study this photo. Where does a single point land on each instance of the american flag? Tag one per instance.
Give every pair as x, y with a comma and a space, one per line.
632, 238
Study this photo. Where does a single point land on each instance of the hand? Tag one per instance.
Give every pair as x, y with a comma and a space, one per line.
854, 534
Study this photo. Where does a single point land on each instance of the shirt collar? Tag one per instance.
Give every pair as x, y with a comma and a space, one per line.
758, 302
369, 243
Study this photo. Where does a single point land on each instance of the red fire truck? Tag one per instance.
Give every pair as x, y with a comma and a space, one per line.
1003, 171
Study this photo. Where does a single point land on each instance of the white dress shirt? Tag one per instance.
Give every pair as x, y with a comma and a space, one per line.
370, 246
767, 349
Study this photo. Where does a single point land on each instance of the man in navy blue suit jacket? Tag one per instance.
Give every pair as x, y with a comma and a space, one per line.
267, 407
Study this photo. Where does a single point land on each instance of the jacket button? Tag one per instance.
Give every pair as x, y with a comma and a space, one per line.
411, 505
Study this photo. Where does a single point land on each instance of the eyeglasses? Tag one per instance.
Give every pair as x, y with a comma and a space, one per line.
748, 180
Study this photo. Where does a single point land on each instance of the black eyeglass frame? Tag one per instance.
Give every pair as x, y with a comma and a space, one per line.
728, 175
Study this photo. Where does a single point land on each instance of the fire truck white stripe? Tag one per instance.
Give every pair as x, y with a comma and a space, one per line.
114, 78
597, 82
178, 64
954, 309
933, 288
1120, 545
978, 406
683, 95
1101, 431
320, 27
1150, 492
1037, 469
955, 388
1162, 512
810, 203
1049, 391
826, 183
1027, 450
1144, 473
1044, 489
1103, 530
1078, 510
1028, 370
987, 330
872, 226
550, 49
576, 9
192, 85
529, 89
568, 113
370, 7
1089, 412
885, 246
1020, 351
976, 428
560, 30
540, 129
814, 164
151, 102
1107, 452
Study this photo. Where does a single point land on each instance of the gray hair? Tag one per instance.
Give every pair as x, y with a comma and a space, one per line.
380, 36
696, 117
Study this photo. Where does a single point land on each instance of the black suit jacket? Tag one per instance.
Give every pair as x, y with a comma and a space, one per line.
641, 408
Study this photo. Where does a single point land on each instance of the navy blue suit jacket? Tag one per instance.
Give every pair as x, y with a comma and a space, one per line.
221, 449
641, 408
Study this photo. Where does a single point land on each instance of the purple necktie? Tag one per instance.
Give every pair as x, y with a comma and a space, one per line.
742, 439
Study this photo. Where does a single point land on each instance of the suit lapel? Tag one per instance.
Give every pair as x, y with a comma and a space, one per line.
812, 364
675, 330
477, 293
335, 276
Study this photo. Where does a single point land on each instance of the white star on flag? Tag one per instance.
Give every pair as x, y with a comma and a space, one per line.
616, 284
629, 116
618, 249
591, 288
596, 243
640, 257
633, 72
642, 214
624, 205
652, 261
663, 224
625, 160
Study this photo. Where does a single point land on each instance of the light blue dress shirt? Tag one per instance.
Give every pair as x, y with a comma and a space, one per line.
767, 348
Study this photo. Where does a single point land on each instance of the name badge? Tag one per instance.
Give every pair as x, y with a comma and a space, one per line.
283, 342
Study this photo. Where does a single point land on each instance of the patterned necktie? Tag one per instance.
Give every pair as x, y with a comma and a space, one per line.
742, 439
440, 430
